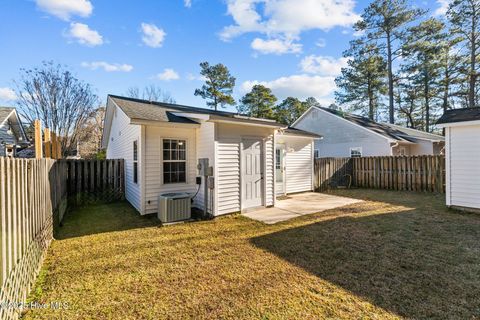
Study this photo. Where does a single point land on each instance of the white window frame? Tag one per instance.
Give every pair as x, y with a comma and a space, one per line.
187, 143
357, 149
316, 153
135, 161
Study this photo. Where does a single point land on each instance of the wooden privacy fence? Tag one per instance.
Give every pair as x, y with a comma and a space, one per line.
332, 173
32, 193
412, 173
91, 181
33, 199
409, 173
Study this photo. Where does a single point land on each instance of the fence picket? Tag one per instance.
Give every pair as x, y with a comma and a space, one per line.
33, 195
409, 173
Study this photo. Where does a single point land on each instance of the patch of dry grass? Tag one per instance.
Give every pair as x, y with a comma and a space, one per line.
395, 255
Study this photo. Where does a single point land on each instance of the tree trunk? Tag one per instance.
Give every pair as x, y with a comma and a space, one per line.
427, 102
371, 103
473, 73
390, 79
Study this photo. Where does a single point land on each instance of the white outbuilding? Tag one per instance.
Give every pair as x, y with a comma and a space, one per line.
462, 157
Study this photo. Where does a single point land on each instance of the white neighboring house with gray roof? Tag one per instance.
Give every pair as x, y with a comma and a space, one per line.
254, 160
349, 135
12, 134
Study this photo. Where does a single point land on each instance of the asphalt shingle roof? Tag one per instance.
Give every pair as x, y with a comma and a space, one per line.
159, 111
389, 131
460, 115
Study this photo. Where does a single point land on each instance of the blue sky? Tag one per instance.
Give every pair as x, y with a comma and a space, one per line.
292, 46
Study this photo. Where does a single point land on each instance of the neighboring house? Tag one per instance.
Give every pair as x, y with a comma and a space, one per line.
349, 135
12, 134
252, 159
462, 157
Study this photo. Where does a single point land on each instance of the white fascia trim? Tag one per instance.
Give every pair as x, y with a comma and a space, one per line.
356, 125
247, 124
301, 117
109, 114
6, 118
192, 115
14, 112
459, 124
164, 124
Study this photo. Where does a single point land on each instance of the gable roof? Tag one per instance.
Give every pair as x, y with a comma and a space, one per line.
417, 134
145, 112
460, 115
4, 113
389, 131
139, 109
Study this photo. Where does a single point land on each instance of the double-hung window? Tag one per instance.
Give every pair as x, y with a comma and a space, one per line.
135, 161
356, 152
174, 161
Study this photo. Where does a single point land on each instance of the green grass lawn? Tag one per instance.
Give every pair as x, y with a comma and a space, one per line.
396, 255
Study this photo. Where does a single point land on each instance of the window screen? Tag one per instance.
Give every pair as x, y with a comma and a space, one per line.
174, 161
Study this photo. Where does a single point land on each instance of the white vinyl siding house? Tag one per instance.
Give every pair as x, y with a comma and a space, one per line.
343, 132
240, 150
120, 146
462, 130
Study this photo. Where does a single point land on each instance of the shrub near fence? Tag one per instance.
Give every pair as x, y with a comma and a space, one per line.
33, 199
409, 173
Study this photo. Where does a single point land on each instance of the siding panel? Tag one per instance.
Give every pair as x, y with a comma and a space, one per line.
153, 164
299, 164
120, 146
464, 168
228, 180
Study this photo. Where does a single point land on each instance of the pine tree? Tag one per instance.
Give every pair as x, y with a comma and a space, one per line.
218, 87
384, 22
289, 110
258, 103
422, 51
464, 16
363, 81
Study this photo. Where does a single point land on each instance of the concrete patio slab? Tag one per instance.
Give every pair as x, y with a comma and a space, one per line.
297, 205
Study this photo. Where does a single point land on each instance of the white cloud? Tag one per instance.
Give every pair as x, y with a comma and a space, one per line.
276, 46
187, 3
64, 9
7, 94
300, 86
322, 65
167, 75
108, 67
287, 17
84, 35
443, 7
152, 35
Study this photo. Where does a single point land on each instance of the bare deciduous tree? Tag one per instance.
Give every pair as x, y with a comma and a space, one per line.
54, 95
90, 137
151, 92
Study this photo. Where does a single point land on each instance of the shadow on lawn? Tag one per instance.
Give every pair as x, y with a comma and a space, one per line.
100, 218
416, 263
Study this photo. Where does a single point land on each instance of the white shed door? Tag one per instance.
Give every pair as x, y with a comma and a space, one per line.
252, 174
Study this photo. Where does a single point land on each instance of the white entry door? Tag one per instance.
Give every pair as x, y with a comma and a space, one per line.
252, 174
280, 169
